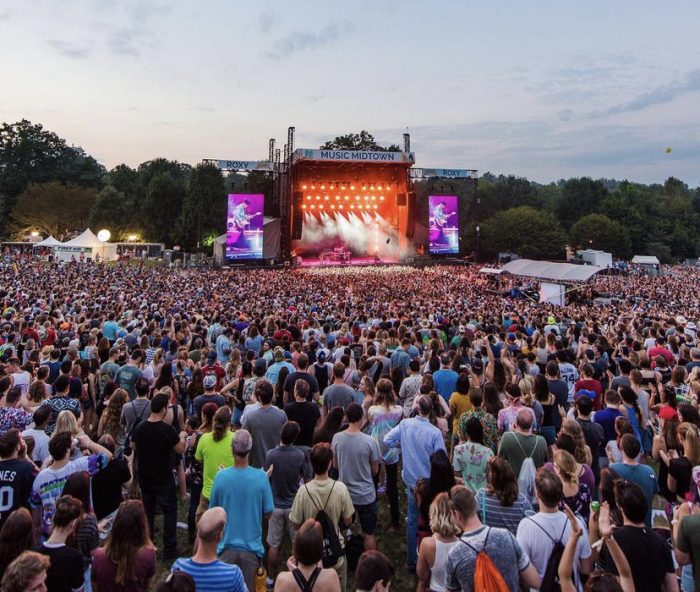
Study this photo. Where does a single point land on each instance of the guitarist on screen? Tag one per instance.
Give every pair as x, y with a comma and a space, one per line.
438, 222
238, 222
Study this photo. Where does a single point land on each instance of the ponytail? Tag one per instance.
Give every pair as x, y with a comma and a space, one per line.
222, 423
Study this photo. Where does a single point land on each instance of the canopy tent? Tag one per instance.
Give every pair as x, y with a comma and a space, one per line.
88, 244
49, 241
645, 260
491, 270
555, 272
271, 241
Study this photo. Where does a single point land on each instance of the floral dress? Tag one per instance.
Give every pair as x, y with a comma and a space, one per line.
471, 460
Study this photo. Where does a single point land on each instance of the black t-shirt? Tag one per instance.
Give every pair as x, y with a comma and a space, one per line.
681, 470
107, 487
155, 456
306, 414
16, 480
292, 378
648, 555
66, 571
202, 400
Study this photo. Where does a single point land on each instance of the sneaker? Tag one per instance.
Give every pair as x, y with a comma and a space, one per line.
270, 583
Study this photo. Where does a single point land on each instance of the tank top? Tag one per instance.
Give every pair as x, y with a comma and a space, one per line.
438, 572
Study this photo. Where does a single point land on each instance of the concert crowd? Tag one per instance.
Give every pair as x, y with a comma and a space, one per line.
346, 428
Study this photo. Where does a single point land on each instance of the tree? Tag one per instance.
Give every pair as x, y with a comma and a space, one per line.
204, 207
362, 141
31, 154
596, 231
579, 197
164, 184
54, 208
114, 211
524, 230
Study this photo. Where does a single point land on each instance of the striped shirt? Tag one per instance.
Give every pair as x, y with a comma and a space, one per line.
216, 576
496, 514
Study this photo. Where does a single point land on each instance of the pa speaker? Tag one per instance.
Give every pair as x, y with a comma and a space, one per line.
297, 221
411, 218
400, 199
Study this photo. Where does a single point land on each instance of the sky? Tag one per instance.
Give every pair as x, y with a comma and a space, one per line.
542, 89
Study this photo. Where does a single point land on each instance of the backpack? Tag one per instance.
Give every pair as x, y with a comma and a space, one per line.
527, 474
487, 578
126, 450
332, 549
550, 580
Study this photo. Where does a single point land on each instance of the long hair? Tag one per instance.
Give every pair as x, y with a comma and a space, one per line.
330, 425
688, 434
442, 519
541, 388
385, 395
15, 536
566, 463
128, 536
208, 412
113, 412
492, 402
500, 378
669, 433
67, 422
222, 423
572, 427
442, 478
501, 481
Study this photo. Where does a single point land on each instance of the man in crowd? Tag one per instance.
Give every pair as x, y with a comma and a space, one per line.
244, 492
498, 543
16, 474
209, 396
401, 358
60, 401
301, 374
520, 443
605, 418
209, 573
410, 387
215, 369
631, 469
274, 369
418, 440
592, 432
374, 572
38, 433
128, 374
264, 424
138, 410
12, 416
285, 464
306, 413
356, 456
155, 446
324, 493
337, 394
445, 379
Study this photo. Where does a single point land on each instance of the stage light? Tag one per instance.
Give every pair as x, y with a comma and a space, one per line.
323, 186
364, 186
352, 206
303, 207
341, 206
381, 198
320, 207
337, 198
374, 198
313, 186
366, 197
308, 197
313, 206
347, 197
357, 198
352, 188
303, 186
332, 206
318, 198
371, 187
326, 198
375, 206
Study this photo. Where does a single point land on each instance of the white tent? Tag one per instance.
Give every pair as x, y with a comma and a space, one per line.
49, 241
546, 270
87, 244
645, 260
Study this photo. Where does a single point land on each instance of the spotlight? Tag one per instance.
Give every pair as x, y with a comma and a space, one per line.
303, 186
337, 198
320, 207
366, 197
374, 206
352, 188
347, 197
318, 197
364, 186
313, 186
326, 198
357, 198
352, 206
374, 198
381, 198
371, 187
332, 206
313, 206
308, 197
323, 186
360, 206
341, 206
303, 207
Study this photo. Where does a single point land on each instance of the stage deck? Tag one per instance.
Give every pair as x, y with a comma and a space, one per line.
315, 262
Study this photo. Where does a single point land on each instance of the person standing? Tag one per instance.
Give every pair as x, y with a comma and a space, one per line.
410, 387
264, 424
301, 374
209, 573
286, 466
138, 410
445, 379
631, 469
520, 443
128, 374
209, 396
306, 413
155, 446
337, 394
60, 401
16, 475
356, 456
418, 440
245, 492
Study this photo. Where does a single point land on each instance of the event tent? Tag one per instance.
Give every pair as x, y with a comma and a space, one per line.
645, 260
546, 270
87, 244
49, 241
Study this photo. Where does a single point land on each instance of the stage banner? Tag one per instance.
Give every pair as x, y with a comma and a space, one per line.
450, 173
245, 165
244, 226
366, 156
443, 222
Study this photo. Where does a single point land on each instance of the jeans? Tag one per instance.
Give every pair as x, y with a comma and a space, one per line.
411, 528
687, 579
166, 498
195, 494
392, 490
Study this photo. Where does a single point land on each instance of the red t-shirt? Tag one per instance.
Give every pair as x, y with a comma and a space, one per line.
215, 370
591, 384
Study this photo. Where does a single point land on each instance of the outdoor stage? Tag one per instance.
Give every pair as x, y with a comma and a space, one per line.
354, 261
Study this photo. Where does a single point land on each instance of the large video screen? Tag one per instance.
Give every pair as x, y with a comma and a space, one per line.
244, 226
443, 224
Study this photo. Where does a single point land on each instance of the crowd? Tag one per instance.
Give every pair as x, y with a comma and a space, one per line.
298, 422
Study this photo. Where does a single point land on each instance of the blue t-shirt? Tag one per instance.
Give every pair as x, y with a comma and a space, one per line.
642, 475
110, 330
606, 418
445, 381
246, 495
216, 576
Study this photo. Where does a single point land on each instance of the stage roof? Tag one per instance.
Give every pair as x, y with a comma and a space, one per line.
546, 270
645, 260
353, 157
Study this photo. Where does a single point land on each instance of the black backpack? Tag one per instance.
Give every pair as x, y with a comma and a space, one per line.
550, 580
126, 450
332, 549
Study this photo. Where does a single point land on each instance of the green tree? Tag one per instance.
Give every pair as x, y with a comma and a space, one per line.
114, 211
362, 141
164, 184
595, 231
54, 208
524, 230
204, 208
579, 197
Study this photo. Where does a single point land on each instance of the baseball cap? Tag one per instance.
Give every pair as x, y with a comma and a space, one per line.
551, 321
209, 381
211, 356
279, 354
261, 364
585, 393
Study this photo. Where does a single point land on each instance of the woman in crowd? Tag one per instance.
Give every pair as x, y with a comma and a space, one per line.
582, 452
433, 551
471, 456
492, 401
577, 494
500, 503
85, 537
330, 425
680, 464
441, 480
459, 403
108, 486
666, 442
127, 562
110, 421
548, 402
16, 536
612, 448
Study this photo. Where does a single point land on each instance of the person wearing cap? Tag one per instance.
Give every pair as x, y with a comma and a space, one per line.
244, 492
128, 374
213, 368
588, 383
418, 439
210, 395
551, 327
273, 370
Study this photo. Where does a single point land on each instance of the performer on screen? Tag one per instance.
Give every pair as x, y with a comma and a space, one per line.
438, 221
238, 222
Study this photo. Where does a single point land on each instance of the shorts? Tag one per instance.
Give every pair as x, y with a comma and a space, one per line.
367, 517
279, 521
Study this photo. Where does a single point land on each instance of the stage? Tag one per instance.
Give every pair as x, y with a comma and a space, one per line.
354, 261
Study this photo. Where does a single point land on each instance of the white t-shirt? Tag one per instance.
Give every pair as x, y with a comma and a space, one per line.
538, 545
569, 375
41, 444
22, 380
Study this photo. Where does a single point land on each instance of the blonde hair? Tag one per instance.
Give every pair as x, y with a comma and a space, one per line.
566, 463
582, 452
688, 433
442, 520
67, 422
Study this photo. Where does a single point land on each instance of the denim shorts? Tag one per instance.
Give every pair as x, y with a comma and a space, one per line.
367, 517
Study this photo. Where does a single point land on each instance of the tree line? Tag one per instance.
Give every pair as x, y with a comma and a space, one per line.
49, 186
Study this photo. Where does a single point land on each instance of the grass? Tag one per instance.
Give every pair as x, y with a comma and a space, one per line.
392, 544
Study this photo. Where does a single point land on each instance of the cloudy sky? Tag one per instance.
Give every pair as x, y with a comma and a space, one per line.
542, 89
